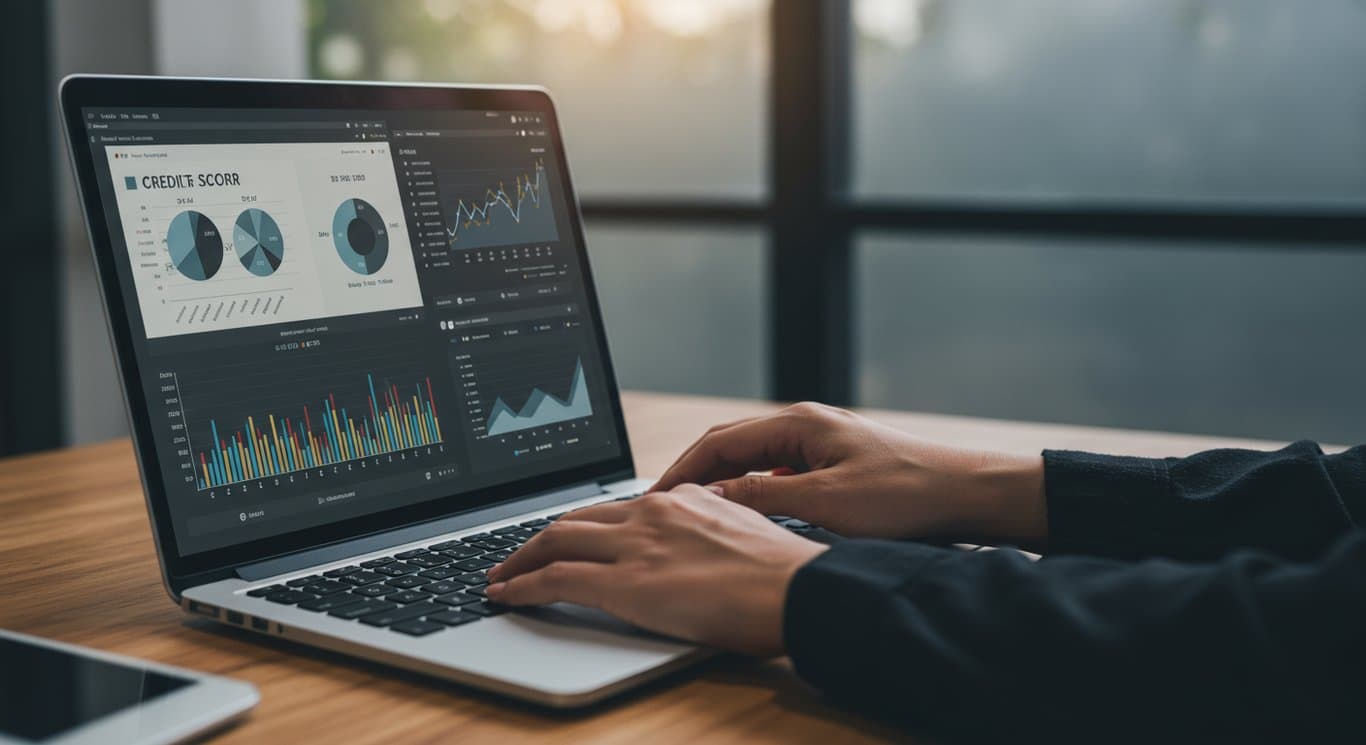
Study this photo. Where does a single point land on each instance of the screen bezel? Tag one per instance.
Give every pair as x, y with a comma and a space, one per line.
80, 92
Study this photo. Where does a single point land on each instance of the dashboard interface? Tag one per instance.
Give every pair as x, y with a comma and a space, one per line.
336, 313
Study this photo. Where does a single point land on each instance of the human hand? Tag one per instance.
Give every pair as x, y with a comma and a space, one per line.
860, 478
686, 563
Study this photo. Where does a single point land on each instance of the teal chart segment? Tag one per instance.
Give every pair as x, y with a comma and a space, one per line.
258, 242
195, 245
542, 409
361, 238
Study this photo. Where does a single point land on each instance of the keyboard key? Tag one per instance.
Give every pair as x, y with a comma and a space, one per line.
289, 597
341, 571
442, 588
439, 573
795, 524
401, 613
381, 561
406, 596
428, 561
363, 578
539, 522
417, 628
396, 569
301, 581
476, 590
521, 536
505, 529
457, 598
555, 516
780, 519
452, 617
473, 578
406, 583
356, 610
475, 537
472, 565
484, 608
491, 544
261, 592
330, 602
372, 591
410, 554
461, 552
442, 546
327, 587
497, 557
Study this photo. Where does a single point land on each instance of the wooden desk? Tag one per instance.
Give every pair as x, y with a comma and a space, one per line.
77, 564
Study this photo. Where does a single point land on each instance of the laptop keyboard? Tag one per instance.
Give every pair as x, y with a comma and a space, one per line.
423, 590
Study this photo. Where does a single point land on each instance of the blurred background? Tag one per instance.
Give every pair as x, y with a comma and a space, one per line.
1133, 213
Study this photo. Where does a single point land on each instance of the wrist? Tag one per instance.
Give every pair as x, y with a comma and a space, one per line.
1007, 500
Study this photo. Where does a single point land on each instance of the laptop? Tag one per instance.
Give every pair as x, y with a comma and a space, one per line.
363, 360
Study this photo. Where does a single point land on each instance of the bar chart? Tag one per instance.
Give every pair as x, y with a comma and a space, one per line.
391, 420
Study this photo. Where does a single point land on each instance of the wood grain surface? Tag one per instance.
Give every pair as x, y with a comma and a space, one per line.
77, 564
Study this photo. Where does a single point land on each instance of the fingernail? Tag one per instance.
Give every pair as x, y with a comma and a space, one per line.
715, 489
496, 588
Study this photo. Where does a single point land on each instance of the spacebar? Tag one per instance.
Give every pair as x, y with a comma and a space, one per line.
391, 617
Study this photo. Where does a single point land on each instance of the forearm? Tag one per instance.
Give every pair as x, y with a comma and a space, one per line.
988, 647
1292, 502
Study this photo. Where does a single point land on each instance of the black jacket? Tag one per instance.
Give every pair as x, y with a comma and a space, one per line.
1220, 597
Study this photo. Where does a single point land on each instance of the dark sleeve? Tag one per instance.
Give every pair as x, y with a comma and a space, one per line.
1292, 502
989, 647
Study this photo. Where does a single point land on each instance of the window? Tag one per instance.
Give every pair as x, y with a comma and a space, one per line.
921, 199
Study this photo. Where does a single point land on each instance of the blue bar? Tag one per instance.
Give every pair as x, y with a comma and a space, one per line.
369, 442
237, 462
332, 432
255, 454
431, 424
217, 456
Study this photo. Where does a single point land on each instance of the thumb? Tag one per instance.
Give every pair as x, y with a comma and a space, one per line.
769, 495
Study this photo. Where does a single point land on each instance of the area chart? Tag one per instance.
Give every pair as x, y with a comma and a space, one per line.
542, 409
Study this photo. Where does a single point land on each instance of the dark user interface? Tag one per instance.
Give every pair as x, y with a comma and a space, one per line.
337, 313
44, 692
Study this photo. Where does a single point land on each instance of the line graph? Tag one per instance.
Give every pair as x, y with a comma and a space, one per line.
497, 207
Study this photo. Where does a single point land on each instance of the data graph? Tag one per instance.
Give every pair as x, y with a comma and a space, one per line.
389, 421
497, 207
541, 408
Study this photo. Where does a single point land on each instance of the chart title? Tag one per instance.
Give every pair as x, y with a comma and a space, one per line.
190, 180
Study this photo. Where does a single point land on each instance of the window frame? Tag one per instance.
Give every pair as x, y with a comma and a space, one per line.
811, 220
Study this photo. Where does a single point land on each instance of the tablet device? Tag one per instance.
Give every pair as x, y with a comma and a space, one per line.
60, 694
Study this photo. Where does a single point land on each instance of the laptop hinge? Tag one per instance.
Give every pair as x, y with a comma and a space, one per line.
408, 534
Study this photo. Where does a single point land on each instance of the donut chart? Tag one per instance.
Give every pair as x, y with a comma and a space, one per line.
195, 245
360, 236
259, 244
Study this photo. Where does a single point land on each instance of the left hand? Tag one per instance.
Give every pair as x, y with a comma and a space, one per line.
686, 563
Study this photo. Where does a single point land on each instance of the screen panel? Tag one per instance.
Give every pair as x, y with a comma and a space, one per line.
347, 316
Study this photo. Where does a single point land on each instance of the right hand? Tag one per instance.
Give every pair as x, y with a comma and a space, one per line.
856, 477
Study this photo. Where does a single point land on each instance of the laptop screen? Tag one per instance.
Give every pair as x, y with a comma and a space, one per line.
340, 312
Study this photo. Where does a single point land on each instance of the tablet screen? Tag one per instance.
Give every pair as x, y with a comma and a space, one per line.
45, 692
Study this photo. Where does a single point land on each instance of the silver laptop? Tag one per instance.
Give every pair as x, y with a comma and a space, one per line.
363, 360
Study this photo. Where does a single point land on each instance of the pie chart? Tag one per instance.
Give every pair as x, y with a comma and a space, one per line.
360, 236
195, 245
258, 242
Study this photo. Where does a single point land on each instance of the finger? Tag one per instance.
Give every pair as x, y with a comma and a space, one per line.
757, 445
770, 495
583, 582
603, 512
718, 428
563, 541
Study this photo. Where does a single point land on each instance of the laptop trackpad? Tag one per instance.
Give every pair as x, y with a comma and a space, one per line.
570, 614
